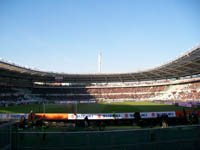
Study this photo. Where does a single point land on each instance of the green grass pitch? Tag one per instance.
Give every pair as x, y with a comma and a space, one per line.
92, 108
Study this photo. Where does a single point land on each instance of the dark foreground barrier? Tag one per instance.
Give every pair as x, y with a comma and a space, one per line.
171, 138
6, 135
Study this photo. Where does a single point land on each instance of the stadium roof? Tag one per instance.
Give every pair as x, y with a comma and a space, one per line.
185, 65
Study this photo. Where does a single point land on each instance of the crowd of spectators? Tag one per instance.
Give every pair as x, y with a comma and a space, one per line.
182, 91
5, 90
151, 89
190, 91
164, 92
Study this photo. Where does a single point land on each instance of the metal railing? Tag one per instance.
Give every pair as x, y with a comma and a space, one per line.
6, 136
178, 137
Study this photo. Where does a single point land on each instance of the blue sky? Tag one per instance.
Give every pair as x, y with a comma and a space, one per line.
67, 35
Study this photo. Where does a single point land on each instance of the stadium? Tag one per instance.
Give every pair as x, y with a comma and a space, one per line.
100, 111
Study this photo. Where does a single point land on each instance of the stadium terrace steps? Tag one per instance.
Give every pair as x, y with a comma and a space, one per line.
183, 91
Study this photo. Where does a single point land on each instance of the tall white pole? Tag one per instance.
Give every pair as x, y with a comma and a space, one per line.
43, 107
99, 62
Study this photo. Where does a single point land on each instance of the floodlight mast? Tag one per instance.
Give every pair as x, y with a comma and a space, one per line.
99, 62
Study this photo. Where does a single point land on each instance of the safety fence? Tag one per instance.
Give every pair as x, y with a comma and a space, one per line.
6, 136
171, 138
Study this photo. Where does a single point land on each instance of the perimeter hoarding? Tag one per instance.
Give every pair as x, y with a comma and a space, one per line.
52, 116
111, 116
13, 116
96, 116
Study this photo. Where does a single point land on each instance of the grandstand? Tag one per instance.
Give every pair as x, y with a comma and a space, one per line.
174, 81
171, 91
